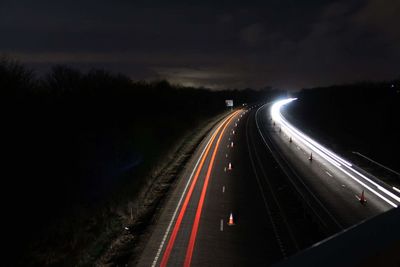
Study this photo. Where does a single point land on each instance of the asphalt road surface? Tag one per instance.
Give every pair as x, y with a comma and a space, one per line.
280, 201
336, 184
193, 227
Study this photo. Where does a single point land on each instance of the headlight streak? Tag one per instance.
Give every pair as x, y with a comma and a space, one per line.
325, 153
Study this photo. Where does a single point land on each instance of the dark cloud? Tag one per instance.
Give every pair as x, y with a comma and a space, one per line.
253, 34
290, 44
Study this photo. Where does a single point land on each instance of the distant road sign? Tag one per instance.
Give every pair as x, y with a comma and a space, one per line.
229, 103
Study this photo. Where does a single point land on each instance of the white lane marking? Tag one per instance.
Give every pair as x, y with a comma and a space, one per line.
221, 226
395, 188
267, 207
160, 248
226, 155
298, 147
329, 174
331, 157
223, 189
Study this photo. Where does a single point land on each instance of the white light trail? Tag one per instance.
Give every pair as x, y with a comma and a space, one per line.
340, 163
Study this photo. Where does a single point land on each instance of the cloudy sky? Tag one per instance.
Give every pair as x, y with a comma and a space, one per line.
235, 44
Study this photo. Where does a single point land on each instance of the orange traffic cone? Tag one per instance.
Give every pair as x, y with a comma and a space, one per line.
231, 222
363, 200
230, 166
310, 158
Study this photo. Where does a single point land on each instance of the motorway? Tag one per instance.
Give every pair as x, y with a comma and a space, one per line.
193, 228
280, 201
335, 183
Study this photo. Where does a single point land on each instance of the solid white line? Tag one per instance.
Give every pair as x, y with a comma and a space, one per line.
223, 189
329, 155
179, 203
221, 227
329, 174
395, 188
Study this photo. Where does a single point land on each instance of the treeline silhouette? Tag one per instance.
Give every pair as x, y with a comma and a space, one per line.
360, 117
74, 139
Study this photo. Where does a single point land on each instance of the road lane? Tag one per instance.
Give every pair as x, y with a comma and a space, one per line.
335, 182
174, 238
251, 241
371, 183
178, 243
234, 172
193, 228
193, 235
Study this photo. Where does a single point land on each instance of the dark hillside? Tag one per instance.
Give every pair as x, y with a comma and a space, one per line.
78, 144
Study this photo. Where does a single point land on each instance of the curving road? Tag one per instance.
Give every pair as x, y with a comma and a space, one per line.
281, 202
193, 227
336, 183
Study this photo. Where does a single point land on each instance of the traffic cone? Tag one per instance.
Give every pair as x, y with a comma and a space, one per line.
231, 222
230, 166
363, 200
310, 158
290, 139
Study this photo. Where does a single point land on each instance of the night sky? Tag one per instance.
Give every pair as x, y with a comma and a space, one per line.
232, 44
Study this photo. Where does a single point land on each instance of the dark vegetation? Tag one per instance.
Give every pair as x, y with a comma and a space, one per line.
78, 146
363, 117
